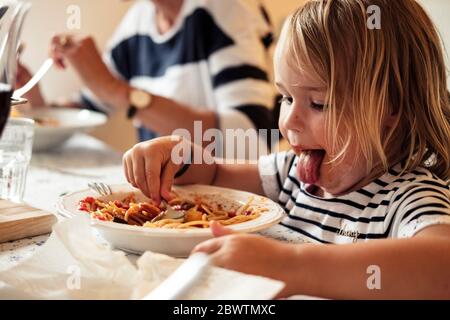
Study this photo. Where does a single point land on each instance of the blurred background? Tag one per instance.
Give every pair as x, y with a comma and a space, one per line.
100, 17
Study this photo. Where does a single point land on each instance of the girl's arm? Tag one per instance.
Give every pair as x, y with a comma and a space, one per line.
151, 166
416, 268
236, 176
382, 269
239, 176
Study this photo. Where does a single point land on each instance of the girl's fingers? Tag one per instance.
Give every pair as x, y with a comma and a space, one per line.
167, 178
139, 171
126, 169
130, 172
147, 167
219, 230
152, 179
209, 246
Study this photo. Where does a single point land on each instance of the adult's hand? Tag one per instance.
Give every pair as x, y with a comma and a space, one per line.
81, 53
33, 96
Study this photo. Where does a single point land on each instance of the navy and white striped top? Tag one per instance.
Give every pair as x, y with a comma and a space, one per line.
216, 56
392, 206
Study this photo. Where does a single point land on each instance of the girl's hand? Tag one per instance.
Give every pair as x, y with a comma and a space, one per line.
251, 254
151, 166
148, 166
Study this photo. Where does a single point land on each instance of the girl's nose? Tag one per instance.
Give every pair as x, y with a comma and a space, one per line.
293, 119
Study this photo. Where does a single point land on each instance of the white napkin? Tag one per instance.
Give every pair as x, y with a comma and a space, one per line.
74, 265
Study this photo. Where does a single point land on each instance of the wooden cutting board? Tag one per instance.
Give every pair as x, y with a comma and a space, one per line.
18, 221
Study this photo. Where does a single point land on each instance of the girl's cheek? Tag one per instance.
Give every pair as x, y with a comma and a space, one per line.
281, 126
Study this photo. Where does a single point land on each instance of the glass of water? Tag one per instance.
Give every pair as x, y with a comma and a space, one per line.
15, 154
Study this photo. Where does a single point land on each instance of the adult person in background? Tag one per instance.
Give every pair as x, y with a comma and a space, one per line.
173, 62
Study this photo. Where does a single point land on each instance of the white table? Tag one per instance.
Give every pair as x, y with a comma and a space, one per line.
81, 160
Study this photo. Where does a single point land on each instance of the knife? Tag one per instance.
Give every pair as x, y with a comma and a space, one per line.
182, 279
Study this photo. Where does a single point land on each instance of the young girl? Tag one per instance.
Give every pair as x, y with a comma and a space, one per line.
367, 114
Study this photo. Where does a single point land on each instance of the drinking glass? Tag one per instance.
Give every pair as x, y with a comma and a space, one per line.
15, 154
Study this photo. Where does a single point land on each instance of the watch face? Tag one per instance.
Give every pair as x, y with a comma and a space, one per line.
140, 99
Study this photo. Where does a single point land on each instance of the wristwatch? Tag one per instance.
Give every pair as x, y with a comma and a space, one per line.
139, 99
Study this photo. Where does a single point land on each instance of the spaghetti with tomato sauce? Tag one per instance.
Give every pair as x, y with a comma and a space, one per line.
197, 213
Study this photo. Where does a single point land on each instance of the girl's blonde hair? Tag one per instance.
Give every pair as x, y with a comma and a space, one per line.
396, 72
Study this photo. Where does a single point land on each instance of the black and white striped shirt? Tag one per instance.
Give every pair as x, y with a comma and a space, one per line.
392, 206
216, 57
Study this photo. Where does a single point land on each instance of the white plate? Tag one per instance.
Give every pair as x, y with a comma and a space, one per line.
174, 242
69, 120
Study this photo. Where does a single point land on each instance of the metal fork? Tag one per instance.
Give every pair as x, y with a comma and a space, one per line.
101, 188
169, 213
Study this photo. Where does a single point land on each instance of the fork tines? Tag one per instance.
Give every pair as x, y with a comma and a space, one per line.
101, 188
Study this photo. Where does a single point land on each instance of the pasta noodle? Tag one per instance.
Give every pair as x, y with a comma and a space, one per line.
197, 213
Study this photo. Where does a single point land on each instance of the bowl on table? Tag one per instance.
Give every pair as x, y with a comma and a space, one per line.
174, 242
53, 126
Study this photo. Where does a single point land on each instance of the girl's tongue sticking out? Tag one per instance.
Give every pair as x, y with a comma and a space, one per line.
308, 165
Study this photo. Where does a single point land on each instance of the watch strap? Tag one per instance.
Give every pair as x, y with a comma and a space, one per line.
131, 112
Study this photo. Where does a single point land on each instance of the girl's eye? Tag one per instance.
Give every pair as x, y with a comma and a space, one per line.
287, 100
318, 106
